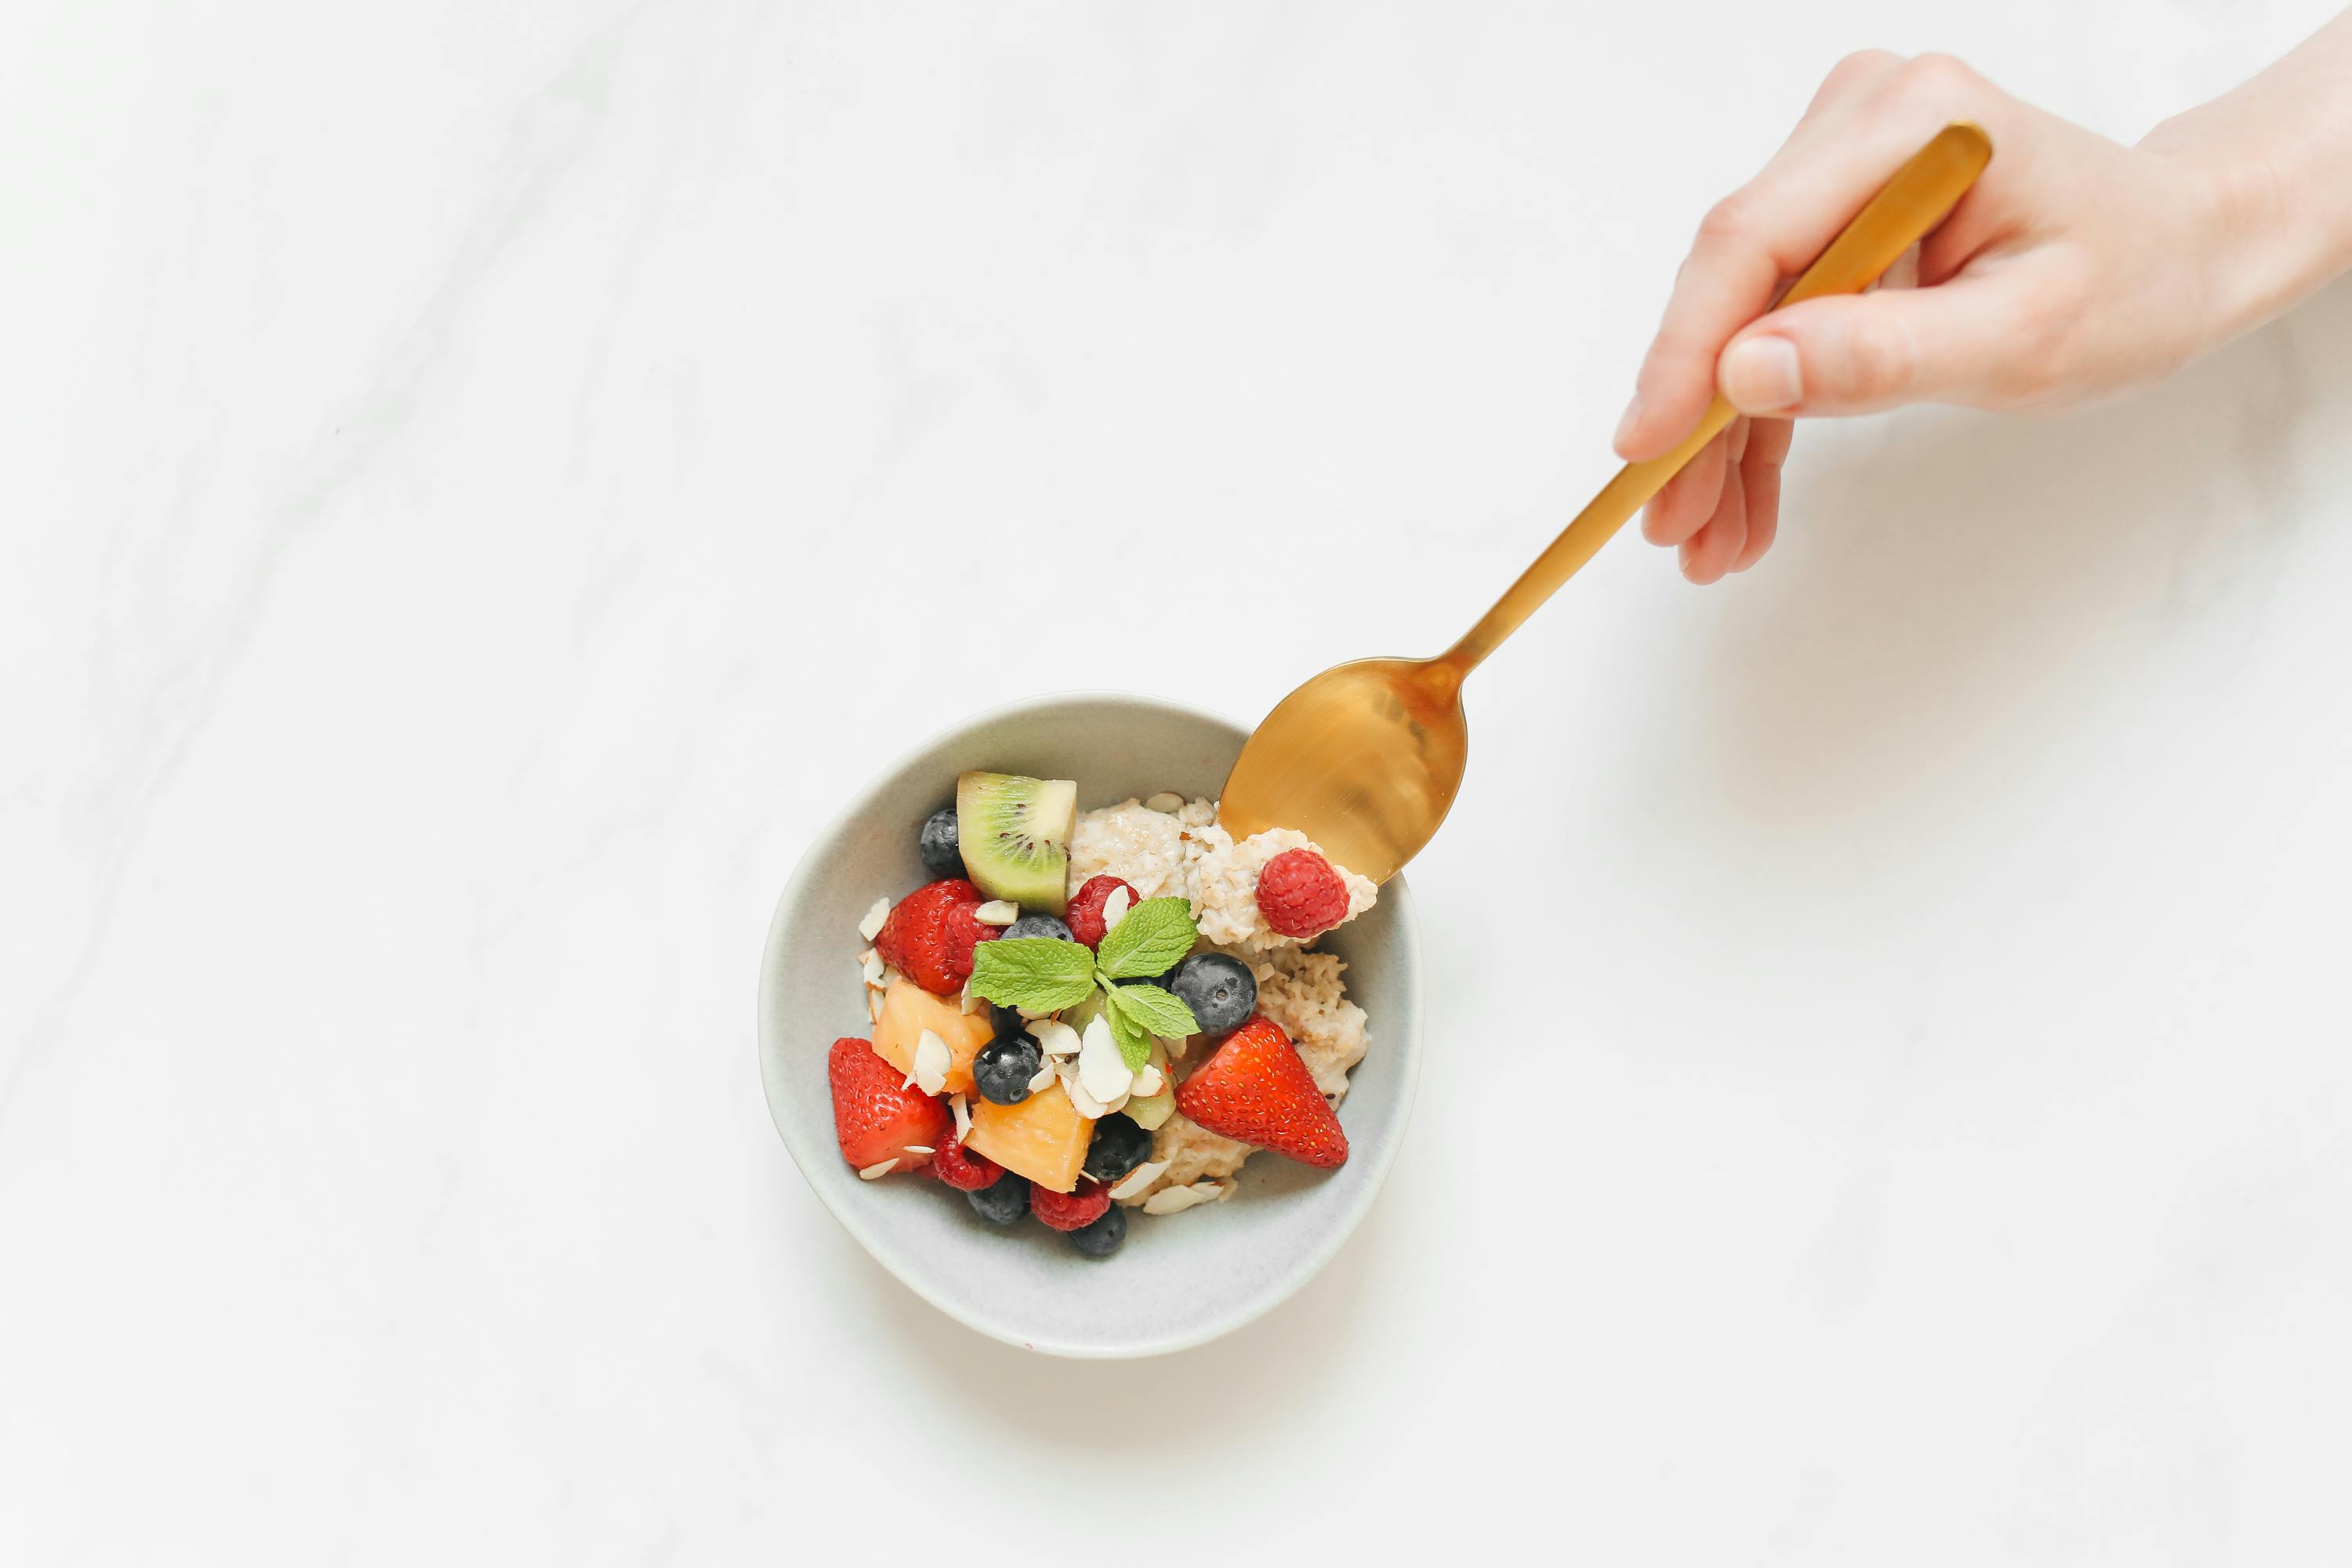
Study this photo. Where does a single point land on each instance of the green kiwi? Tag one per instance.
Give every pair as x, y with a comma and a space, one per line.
1015, 836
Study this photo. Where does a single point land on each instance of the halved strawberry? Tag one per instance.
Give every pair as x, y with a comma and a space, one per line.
930, 935
876, 1113
1256, 1089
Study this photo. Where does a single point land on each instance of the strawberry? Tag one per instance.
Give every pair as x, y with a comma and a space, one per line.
1256, 1089
1300, 895
962, 1169
876, 1113
1085, 915
1069, 1211
930, 936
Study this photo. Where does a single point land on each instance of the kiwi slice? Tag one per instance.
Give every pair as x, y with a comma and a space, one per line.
1015, 836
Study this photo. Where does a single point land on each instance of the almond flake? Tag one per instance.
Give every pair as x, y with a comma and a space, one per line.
962, 1109
1087, 1105
872, 968
972, 1004
1167, 800
1142, 1176
1172, 1200
997, 913
1100, 1067
918, 1149
873, 1007
1042, 1080
1147, 1082
879, 1168
1054, 1038
871, 926
931, 1062
1115, 907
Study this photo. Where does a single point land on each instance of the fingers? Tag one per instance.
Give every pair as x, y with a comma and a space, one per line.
1768, 449
1683, 505
1858, 133
1722, 511
1989, 341
1709, 552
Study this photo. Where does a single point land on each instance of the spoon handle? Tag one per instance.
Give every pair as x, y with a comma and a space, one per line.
1921, 193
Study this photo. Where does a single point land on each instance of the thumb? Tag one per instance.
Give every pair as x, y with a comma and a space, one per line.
1958, 343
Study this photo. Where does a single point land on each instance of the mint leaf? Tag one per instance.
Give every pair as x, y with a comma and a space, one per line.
1037, 973
1162, 1013
1134, 1040
1154, 938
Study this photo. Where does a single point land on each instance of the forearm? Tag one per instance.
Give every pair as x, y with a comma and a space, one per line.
2278, 152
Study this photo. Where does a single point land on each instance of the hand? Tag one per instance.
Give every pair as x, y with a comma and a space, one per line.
2074, 266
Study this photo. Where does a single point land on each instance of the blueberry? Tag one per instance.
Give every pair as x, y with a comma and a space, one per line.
1040, 925
1004, 1201
1099, 1239
1002, 1070
942, 857
1119, 1146
1221, 990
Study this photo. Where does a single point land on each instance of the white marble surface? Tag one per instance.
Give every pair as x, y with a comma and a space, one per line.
483, 480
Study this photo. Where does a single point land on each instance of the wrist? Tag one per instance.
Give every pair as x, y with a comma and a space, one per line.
2266, 235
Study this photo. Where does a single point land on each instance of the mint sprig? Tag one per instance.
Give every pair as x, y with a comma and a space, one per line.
1042, 974
1035, 973
1153, 939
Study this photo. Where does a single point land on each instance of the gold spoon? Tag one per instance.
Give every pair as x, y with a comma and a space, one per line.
1365, 757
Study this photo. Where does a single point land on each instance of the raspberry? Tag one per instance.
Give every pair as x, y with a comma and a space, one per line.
1300, 895
962, 1169
1085, 915
930, 936
1069, 1211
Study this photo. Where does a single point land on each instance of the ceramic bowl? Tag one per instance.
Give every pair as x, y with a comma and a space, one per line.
1181, 1279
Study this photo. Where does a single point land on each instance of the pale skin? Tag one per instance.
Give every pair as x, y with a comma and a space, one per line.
2074, 268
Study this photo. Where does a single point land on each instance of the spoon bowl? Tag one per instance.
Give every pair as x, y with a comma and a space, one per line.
1370, 754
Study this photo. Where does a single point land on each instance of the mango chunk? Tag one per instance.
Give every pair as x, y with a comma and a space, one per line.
1042, 1138
907, 1010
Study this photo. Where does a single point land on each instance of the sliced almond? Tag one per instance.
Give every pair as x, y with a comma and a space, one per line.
1054, 1037
997, 913
1167, 800
871, 926
1043, 1078
962, 1108
918, 1149
932, 1061
973, 1003
1147, 1082
1142, 1176
1115, 907
872, 968
1172, 1200
873, 1007
1101, 1069
1087, 1105
879, 1168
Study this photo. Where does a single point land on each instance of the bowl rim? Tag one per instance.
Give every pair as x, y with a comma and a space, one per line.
1305, 1264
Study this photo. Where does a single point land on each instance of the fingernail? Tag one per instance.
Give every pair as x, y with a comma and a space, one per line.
1625, 426
1760, 375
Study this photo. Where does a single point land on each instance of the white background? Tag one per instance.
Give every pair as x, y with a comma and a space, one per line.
484, 481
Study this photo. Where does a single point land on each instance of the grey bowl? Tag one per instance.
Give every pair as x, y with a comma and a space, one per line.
1181, 1279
